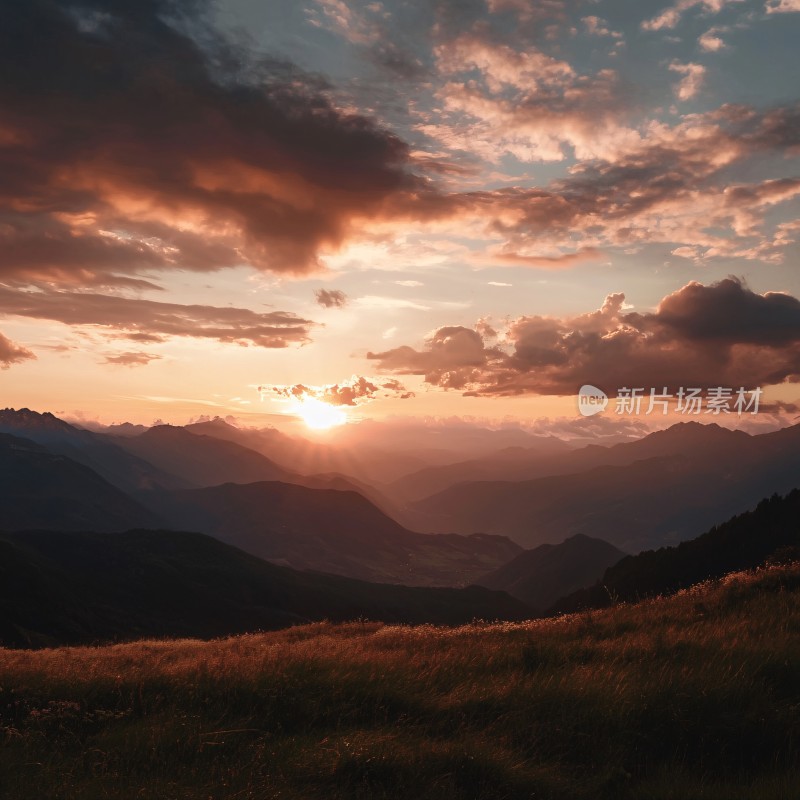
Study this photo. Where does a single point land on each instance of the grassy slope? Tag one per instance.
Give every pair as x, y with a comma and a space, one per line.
694, 696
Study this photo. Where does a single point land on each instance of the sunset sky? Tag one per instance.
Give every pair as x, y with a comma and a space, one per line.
452, 207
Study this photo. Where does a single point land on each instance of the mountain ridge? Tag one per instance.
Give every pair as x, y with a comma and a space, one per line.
83, 588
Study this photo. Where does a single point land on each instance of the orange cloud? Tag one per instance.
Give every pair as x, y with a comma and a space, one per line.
11, 353
131, 359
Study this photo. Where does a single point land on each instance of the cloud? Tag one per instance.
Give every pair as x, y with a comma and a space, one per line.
711, 42
131, 359
673, 15
595, 26
389, 303
673, 187
694, 77
367, 27
525, 103
331, 298
528, 10
151, 321
167, 150
12, 353
560, 261
591, 430
354, 392
782, 6
454, 357
723, 334
131, 145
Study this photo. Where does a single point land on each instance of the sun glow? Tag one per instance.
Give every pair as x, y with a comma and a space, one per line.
319, 415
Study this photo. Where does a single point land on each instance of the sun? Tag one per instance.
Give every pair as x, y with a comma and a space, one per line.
319, 415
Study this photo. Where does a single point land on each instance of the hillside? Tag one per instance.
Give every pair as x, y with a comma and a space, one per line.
66, 588
330, 531
547, 573
741, 543
40, 489
694, 696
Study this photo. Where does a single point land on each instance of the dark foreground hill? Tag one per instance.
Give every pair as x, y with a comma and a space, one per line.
541, 576
58, 588
743, 542
330, 531
695, 696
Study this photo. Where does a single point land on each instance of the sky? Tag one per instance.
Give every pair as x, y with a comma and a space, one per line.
425, 209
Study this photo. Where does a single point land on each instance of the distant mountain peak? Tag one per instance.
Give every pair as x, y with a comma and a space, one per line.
26, 419
695, 429
219, 422
165, 429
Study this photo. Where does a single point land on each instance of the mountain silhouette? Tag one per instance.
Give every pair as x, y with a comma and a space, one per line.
743, 542
201, 460
116, 464
40, 489
75, 588
547, 573
333, 531
660, 490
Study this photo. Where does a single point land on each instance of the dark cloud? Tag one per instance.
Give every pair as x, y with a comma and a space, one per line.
723, 334
128, 145
780, 409
151, 321
331, 298
131, 359
11, 353
354, 392
454, 358
726, 312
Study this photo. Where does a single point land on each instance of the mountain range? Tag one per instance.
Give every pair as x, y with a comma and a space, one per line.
320, 523
537, 538
669, 486
39, 488
77, 565
335, 531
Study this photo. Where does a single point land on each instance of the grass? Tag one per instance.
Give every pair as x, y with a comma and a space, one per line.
692, 696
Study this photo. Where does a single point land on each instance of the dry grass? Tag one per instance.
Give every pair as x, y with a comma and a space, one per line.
694, 696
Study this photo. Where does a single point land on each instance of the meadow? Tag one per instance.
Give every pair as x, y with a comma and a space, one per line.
696, 695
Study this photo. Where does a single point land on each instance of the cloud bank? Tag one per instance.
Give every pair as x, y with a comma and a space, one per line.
723, 334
